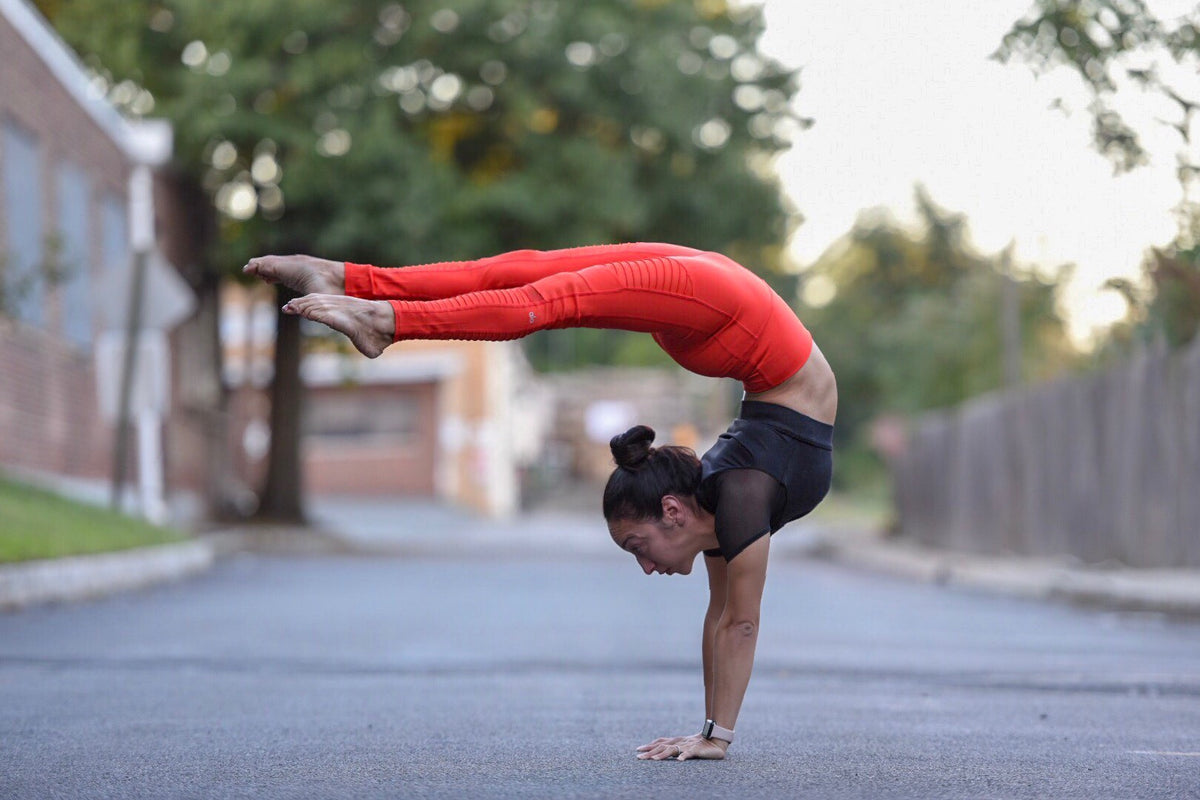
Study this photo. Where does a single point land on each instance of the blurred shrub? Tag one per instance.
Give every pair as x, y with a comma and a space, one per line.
915, 320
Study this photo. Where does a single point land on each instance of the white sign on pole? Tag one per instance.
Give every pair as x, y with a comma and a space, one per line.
151, 385
167, 300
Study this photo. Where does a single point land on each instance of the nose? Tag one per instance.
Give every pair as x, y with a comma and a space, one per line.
646, 564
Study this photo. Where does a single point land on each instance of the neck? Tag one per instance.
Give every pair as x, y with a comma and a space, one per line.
704, 535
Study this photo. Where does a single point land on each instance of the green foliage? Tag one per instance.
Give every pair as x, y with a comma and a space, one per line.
394, 134
1169, 309
1118, 49
1114, 46
916, 321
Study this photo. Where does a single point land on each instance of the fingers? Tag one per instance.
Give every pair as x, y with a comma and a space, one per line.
660, 753
664, 748
660, 741
680, 748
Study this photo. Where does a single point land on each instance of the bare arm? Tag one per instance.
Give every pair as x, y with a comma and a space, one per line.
735, 594
716, 607
737, 632
695, 745
730, 635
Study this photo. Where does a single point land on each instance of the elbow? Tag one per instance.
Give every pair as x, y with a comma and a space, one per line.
741, 626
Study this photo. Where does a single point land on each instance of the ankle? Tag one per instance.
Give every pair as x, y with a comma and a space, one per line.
385, 319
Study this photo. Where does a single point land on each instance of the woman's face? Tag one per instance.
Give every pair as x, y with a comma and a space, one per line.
661, 546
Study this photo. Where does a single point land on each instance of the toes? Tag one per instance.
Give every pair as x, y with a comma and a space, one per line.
316, 307
262, 268
300, 305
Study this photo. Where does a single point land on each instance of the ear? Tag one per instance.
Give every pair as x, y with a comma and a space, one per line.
674, 509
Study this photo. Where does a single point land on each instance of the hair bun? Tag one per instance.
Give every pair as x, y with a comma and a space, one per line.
632, 448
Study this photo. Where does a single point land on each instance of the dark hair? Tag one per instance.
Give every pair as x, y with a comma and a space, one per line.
644, 474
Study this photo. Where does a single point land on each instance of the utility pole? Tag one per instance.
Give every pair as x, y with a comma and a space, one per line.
1010, 320
141, 226
142, 390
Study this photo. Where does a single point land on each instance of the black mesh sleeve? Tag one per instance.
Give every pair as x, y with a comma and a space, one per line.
745, 500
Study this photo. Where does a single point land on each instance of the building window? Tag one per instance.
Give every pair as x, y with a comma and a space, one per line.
114, 234
24, 285
358, 416
74, 266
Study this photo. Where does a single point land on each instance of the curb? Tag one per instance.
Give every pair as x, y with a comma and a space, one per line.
1167, 591
87, 577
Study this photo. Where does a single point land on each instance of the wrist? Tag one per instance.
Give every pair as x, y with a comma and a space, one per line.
715, 733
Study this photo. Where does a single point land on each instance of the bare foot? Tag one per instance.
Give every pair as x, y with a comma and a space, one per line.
302, 274
370, 324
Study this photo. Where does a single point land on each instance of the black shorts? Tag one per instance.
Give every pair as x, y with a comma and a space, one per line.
795, 449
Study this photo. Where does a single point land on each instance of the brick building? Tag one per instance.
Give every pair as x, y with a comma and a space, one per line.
455, 421
67, 160
450, 420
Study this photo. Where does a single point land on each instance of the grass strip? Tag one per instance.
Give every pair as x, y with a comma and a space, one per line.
35, 523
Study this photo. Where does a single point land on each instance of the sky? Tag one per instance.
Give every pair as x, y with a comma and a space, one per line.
904, 93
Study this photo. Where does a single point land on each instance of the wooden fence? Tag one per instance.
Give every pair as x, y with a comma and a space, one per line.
1102, 467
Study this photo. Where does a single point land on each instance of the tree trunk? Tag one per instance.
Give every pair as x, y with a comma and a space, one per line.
188, 229
282, 497
220, 493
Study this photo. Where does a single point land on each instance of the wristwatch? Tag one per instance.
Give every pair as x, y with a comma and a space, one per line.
712, 730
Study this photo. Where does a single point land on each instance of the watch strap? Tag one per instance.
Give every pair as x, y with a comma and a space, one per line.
712, 730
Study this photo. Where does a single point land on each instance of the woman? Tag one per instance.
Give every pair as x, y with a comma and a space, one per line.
662, 505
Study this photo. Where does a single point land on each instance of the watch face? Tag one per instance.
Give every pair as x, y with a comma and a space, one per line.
707, 730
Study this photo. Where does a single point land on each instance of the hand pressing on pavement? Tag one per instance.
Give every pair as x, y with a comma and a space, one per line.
682, 748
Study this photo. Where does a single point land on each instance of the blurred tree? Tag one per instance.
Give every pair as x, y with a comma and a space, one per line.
401, 133
1140, 73
1167, 309
913, 320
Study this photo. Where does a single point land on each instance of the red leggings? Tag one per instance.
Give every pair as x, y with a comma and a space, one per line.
710, 314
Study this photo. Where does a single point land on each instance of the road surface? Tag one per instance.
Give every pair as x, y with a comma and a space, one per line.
517, 675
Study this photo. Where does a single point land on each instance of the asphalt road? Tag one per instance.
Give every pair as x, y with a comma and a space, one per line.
510, 676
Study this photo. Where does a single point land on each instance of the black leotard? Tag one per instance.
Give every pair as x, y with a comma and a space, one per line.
772, 466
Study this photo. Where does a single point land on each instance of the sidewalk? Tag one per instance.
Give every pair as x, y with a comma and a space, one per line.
407, 527
75, 578
1169, 591
417, 528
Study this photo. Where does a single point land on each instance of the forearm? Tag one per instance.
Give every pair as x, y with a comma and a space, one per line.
733, 661
707, 647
